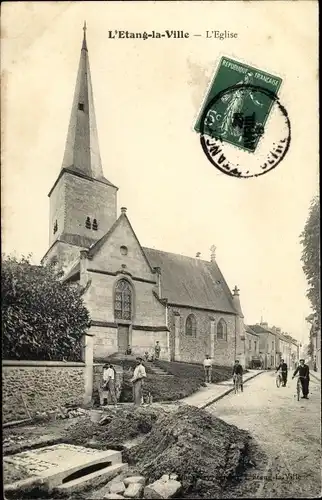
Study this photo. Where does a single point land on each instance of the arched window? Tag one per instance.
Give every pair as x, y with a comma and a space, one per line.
123, 300
222, 330
191, 326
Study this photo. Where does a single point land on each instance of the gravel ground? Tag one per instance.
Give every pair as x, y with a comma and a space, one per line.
288, 437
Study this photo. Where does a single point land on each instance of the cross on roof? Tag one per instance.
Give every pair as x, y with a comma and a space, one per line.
236, 290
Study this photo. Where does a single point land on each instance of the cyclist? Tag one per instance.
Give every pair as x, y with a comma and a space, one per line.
283, 368
304, 375
238, 372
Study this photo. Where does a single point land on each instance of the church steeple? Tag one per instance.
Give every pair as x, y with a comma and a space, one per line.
82, 154
82, 201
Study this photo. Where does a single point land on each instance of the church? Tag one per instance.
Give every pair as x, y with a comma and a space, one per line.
135, 295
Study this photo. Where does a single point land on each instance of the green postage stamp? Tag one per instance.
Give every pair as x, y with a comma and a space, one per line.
238, 104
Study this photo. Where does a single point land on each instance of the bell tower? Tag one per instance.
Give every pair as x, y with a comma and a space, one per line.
82, 201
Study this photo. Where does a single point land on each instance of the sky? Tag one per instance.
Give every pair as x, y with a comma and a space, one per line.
147, 95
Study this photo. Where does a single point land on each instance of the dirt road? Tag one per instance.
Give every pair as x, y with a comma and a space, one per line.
288, 433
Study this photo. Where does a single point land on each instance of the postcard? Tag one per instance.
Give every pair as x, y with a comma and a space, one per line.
161, 258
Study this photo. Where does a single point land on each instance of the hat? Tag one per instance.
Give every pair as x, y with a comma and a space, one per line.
302, 360
139, 359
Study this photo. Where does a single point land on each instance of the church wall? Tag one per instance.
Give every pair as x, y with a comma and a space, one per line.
66, 254
86, 198
194, 349
111, 253
143, 341
57, 210
99, 298
105, 341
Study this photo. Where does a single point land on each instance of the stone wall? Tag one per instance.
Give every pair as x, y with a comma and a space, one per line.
194, 349
41, 386
144, 341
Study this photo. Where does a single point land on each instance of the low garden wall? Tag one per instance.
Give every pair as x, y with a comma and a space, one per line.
39, 386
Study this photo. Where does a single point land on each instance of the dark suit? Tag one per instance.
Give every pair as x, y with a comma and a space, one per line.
283, 368
304, 374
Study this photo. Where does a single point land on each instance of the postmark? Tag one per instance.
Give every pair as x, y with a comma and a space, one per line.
244, 129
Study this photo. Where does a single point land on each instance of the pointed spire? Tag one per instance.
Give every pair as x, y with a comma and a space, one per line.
82, 154
84, 46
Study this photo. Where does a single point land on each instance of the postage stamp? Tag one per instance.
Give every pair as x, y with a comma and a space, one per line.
242, 119
240, 114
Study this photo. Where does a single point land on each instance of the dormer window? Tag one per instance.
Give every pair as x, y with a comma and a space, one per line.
95, 225
55, 227
88, 224
81, 106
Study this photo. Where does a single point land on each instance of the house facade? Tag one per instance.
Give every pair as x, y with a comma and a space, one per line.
135, 295
276, 345
252, 344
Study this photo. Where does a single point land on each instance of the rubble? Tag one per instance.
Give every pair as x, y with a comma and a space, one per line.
117, 487
134, 490
162, 488
134, 479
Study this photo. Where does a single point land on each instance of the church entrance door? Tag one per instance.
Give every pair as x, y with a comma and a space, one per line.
122, 338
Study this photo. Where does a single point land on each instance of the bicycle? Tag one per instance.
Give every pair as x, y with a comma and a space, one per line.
278, 380
237, 383
299, 387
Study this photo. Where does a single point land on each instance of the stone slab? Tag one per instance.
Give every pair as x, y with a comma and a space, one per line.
93, 480
55, 463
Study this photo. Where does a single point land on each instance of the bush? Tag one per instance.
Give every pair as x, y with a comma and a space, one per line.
43, 318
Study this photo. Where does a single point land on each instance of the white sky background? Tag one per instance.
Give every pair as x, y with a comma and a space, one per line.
147, 95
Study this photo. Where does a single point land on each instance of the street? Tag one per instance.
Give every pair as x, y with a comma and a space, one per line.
288, 458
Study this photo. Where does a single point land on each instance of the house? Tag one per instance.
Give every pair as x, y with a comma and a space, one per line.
136, 295
252, 341
267, 345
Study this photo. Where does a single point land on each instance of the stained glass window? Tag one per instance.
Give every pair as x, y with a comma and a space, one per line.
123, 300
191, 326
222, 330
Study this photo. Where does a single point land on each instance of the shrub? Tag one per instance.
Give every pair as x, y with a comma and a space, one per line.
43, 318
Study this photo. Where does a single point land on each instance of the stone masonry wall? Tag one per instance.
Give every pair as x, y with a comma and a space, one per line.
43, 385
143, 341
194, 349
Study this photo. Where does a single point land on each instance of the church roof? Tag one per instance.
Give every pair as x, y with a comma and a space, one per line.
191, 282
82, 154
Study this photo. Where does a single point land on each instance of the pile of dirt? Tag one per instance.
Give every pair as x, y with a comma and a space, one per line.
119, 426
205, 452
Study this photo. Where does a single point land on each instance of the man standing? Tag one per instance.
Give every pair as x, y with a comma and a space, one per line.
157, 350
137, 380
207, 364
283, 368
304, 375
238, 372
109, 381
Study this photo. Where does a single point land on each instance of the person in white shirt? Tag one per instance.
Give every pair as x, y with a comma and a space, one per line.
109, 381
207, 364
138, 376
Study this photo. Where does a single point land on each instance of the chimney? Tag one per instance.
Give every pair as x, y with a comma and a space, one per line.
213, 253
198, 255
123, 210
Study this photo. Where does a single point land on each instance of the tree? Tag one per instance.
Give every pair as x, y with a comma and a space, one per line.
310, 239
43, 318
